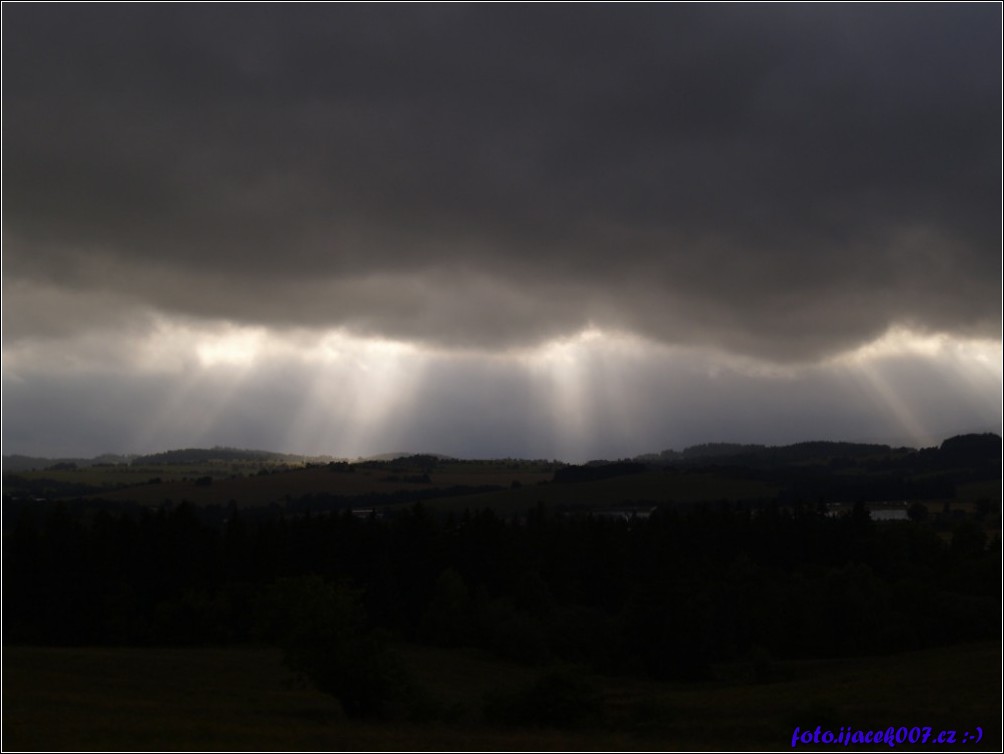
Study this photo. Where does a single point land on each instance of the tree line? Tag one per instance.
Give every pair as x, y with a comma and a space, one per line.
666, 597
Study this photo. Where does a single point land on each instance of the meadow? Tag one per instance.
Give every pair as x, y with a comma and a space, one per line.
243, 698
255, 484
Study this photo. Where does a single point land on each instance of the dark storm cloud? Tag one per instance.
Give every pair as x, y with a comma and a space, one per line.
786, 182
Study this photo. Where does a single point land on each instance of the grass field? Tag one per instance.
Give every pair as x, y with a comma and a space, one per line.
247, 488
646, 488
520, 485
521, 488
244, 699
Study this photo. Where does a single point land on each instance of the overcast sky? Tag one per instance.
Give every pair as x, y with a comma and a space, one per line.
562, 231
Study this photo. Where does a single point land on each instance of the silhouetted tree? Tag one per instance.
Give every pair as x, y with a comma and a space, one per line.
327, 639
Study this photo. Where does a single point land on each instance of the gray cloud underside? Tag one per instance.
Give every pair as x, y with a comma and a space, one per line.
783, 182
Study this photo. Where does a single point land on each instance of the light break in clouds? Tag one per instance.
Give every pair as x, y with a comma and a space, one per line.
572, 231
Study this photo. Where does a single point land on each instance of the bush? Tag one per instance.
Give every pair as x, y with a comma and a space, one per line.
558, 699
448, 621
514, 634
327, 640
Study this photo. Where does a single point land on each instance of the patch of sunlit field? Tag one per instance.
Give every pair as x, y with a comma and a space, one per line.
244, 699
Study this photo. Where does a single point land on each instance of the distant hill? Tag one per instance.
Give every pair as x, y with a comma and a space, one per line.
978, 452
972, 456
227, 455
965, 468
183, 456
195, 456
17, 463
703, 451
397, 455
764, 456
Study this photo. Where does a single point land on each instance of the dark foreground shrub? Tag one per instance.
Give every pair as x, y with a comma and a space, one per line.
558, 699
327, 640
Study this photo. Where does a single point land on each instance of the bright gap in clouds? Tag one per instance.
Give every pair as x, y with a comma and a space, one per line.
236, 346
898, 341
328, 393
358, 393
881, 369
590, 395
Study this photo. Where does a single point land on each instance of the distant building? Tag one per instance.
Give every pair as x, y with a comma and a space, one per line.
876, 512
621, 514
888, 514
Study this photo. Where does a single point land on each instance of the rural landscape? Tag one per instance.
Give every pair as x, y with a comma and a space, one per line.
501, 376
716, 597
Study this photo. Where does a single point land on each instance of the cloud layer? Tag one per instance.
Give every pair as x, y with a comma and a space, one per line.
586, 397
785, 183
489, 230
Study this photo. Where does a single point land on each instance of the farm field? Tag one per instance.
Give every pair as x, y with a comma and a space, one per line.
516, 489
153, 485
648, 488
255, 479
242, 698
